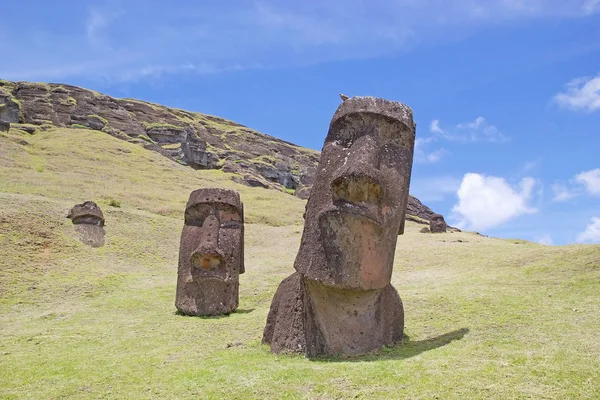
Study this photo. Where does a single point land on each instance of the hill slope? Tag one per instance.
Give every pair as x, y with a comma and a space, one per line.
485, 318
197, 140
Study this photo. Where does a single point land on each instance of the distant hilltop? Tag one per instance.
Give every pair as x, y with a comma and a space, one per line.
198, 140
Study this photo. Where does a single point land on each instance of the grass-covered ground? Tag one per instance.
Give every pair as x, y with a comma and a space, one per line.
485, 318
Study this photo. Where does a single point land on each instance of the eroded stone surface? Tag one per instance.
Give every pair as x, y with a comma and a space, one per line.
340, 300
4, 126
211, 253
437, 224
89, 223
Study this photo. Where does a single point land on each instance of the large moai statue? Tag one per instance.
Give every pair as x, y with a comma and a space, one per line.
211, 253
340, 299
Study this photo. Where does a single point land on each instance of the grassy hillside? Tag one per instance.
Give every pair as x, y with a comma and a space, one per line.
485, 318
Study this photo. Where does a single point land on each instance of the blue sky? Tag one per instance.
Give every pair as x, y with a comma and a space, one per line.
506, 93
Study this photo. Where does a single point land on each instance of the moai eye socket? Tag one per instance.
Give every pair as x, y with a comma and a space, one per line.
229, 216
196, 214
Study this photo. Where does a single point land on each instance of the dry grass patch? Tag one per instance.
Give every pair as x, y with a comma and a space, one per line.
485, 318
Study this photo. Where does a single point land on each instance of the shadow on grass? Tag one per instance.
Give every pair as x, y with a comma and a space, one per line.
238, 311
404, 349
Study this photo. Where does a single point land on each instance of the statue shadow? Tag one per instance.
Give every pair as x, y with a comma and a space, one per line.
238, 311
404, 349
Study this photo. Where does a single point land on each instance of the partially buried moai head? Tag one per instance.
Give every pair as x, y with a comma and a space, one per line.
89, 223
211, 253
437, 224
359, 198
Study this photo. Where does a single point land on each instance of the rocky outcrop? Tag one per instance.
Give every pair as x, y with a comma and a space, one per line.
198, 140
10, 109
417, 209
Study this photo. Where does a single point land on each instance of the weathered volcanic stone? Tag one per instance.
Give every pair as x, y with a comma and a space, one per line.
437, 224
4, 126
340, 300
211, 253
89, 223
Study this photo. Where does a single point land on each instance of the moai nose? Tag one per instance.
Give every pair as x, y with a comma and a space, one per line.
207, 259
207, 256
357, 180
211, 229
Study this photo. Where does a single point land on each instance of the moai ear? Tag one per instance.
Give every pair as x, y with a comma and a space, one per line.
401, 230
242, 266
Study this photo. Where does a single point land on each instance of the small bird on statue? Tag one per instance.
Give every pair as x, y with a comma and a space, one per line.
343, 97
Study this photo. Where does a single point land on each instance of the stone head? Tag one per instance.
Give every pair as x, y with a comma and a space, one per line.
437, 224
88, 220
87, 212
358, 201
211, 253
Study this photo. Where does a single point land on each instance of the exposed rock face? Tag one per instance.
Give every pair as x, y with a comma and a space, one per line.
198, 140
4, 126
340, 300
89, 223
211, 253
10, 110
437, 224
418, 209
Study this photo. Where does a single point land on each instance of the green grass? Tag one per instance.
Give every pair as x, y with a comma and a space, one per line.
171, 146
149, 126
99, 118
69, 101
485, 318
79, 126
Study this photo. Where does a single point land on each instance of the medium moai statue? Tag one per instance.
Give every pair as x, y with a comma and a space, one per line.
89, 223
211, 253
340, 299
437, 224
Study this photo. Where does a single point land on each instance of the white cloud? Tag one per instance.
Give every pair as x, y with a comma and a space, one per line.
488, 201
545, 239
590, 179
434, 126
478, 130
423, 156
581, 94
95, 23
123, 39
591, 6
562, 192
585, 181
530, 165
467, 132
591, 234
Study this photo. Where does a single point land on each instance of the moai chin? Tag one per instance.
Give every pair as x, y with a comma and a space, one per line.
437, 224
340, 299
211, 253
